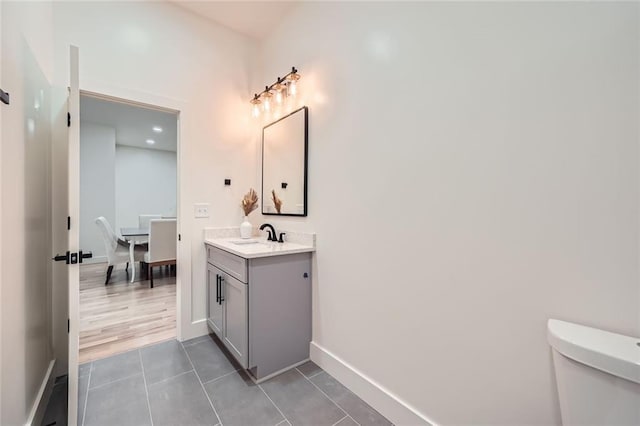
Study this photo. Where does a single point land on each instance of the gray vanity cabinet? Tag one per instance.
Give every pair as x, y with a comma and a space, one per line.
227, 311
234, 296
260, 308
214, 308
280, 315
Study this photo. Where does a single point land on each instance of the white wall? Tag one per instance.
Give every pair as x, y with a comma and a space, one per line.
97, 185
145, 184
179, 60
473, 171
25, 196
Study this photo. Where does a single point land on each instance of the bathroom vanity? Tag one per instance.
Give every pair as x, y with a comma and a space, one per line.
259, 302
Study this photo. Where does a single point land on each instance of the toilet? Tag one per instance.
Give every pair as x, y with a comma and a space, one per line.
597, 375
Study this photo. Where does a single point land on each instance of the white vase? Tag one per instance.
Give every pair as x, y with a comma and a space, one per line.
245, 228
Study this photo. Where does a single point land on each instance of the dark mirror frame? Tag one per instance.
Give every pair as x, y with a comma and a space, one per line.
306, 161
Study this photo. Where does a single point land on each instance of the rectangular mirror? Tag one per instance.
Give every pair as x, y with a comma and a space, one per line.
284, 165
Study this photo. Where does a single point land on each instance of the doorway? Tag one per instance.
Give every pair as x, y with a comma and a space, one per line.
128, 220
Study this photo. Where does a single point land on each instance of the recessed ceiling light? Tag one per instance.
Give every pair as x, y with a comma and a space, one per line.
157, 129
150, 141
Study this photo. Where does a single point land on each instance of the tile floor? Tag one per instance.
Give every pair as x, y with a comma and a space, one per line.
197, 383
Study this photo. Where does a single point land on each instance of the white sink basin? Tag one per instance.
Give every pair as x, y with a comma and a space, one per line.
246, 242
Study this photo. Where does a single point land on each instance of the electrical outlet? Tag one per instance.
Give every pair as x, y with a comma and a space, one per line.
202, 210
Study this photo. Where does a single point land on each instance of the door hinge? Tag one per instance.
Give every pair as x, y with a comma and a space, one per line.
68, 222
4, 96
68, 325
68, 119
179, 237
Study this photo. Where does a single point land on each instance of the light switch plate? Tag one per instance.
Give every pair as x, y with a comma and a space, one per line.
202, 210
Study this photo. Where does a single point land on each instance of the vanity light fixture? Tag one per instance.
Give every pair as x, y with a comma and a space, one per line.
284, 87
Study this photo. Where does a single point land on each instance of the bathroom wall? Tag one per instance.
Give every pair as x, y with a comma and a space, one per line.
26, 354
158, 53
473, 171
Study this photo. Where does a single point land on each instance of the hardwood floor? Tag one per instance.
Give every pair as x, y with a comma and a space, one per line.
122, 316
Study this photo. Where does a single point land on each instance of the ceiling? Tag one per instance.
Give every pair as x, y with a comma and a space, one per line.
252, 18
133, 124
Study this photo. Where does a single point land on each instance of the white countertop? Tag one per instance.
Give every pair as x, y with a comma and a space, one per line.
262, 248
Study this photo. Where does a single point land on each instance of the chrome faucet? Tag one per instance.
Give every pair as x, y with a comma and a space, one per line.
271, 231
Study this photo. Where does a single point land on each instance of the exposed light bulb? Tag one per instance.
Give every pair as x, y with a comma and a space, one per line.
293, 82
293, 89
157, 129
279, 88
266, 104
255, 106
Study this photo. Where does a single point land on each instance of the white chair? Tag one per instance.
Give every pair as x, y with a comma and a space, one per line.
143, 223
162, 245
117, 248
144, 219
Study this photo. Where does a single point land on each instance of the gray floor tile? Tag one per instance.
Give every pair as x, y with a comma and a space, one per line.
164, 360
114, 368
347, 421
240, 402
84, 369
348, 401
309, 369
83, 387
180, 401
118, 403
209, 360
300, 401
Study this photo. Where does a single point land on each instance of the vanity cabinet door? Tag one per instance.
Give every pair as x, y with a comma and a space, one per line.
214, 307
236, 332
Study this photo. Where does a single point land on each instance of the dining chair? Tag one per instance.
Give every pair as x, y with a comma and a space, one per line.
144, 219
143, 223
117, 249
162, 245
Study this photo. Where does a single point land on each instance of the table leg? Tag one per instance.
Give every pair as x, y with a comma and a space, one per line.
132, 262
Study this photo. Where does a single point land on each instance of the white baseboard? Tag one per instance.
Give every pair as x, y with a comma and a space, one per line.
374, 394
42, 398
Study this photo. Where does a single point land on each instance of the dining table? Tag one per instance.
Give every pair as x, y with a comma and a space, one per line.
130, 234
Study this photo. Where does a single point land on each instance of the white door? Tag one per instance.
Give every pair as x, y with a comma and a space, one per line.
74, 235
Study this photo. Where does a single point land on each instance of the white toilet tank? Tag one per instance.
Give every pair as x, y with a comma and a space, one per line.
597, 374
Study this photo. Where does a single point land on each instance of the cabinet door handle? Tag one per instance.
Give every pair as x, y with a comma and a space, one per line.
217, 288
221, 298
